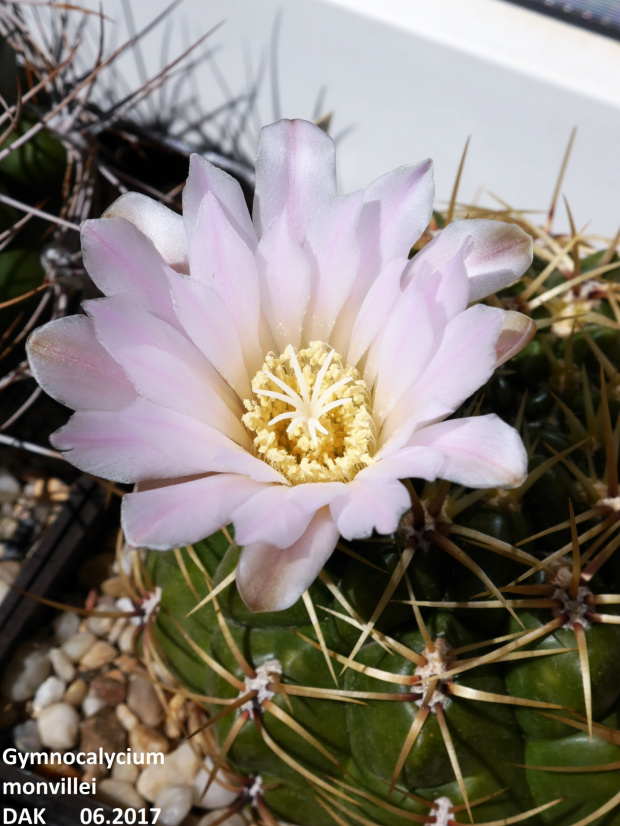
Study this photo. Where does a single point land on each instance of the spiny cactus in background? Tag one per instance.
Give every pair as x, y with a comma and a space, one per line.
464, 669
70, 143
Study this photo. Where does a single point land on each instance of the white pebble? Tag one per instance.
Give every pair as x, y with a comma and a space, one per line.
58, 726
119, 793
152, 781
216, 796
127, 772
10, 488
100, 653
126, 717
62, 665
91, 704
78, 644
175, 803
126, 640
65, 626
99, 626
25, 672
50, 691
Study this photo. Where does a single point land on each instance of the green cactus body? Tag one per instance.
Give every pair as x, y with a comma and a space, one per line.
524, 724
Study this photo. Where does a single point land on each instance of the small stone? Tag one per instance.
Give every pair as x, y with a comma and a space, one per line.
126, 717
50, 691
174, 803
142, 699
76, 693
127, 638
92, 704
126, 664
8, 527
58, 726
65, 626
119, 793
151, 781
114, 587
218, 795
9, 570
103, 730
215, 817
62, 665
10, 489
118, 626
127, 772
26, 737
57, 490
144, 739
111, 692
5, 588
29, 666
78, 644
97, 655
99, 626
181, 765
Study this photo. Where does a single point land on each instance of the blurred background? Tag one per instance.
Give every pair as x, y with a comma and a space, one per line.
408, 79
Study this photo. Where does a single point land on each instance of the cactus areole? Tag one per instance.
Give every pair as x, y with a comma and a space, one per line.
282, 373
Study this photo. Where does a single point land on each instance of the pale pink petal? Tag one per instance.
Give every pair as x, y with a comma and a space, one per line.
164, 366
444, 289
480, 452
405, 349
205, 178
397, 209
181, 514
369, 505
517, 331
295, 174
220, 258
145, 441
208, 322
500, 253
121, 260
280, 514
284, 274
273, 579
372, 315
72, 367
332, 249
464, 360
163, 226
405, 463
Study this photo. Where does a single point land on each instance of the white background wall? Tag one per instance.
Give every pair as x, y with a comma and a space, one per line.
407, 79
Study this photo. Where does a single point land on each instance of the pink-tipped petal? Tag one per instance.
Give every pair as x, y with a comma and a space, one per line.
517, 332
163, 226
181, 514
480, 452
163, 365
333, 252
220, 258
284, 274
500, 254
369, 505
295, 174
122, 260
280, 514
273, 579
464, 360
397, 209
72, 367
205, 178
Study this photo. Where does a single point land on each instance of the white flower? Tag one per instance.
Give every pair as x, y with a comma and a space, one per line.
284, 375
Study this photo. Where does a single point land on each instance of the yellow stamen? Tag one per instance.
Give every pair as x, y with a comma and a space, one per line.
312, 416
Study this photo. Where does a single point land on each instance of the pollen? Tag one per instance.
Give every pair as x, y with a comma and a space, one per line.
311, 415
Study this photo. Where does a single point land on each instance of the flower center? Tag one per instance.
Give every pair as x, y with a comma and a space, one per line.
312, 416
